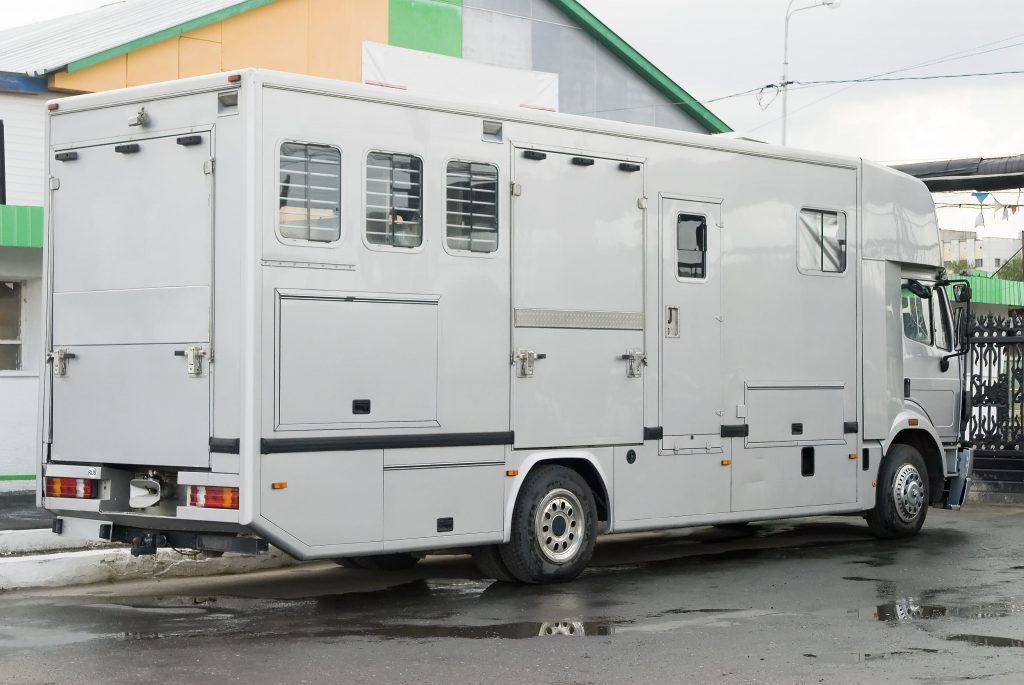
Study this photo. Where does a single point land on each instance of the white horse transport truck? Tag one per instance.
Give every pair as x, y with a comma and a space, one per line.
363, 326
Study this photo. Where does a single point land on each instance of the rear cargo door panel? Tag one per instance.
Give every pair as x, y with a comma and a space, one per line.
131, 240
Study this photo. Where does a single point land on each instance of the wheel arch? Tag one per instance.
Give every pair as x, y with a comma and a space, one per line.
582, 462
916, 431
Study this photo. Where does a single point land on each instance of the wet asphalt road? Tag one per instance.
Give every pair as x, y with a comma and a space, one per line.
815, 600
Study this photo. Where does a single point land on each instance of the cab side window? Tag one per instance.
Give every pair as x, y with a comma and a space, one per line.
917, 317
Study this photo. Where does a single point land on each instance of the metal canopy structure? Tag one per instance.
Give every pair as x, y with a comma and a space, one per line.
974, 173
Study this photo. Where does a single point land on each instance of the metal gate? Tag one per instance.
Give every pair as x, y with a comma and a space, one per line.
996, 390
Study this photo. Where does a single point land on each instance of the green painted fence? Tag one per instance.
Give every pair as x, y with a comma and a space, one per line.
21, 226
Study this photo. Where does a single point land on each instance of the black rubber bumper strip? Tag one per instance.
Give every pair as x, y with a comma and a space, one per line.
378, 442
225, 445
740, 430
654, 433
851, 427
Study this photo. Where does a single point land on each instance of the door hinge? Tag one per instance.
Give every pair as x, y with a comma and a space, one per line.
641, 202
54, 183
516, 189
59, 359
193, 355
636, 361
208, 166
523, 360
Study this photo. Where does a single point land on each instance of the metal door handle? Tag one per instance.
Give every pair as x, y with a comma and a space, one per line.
636, 361
524, 359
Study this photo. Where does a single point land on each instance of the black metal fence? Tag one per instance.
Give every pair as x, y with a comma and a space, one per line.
995, 385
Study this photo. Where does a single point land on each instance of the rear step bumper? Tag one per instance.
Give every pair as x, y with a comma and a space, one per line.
148, 541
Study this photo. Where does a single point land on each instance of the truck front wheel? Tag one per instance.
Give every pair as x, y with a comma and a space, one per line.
554, 525
902, 496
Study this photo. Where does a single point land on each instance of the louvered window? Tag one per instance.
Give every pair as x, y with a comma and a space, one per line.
394, 200
310, 198
472, 219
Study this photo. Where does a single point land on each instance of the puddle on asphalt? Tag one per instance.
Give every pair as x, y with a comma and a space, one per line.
987, 640
862, 657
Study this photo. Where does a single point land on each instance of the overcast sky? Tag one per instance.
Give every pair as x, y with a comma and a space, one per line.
715, 48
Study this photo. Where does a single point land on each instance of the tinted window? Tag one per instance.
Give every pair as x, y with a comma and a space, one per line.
691, 246
822, 241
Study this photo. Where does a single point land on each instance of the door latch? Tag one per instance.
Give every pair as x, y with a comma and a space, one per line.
524, 359
59, 358
636, 361
193, 355
671, 322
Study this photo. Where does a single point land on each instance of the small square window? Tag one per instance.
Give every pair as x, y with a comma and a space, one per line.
691, 246
394, 197
472, 215
822, 242
310, 199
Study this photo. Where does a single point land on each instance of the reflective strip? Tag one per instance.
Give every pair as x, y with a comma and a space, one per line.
562, 318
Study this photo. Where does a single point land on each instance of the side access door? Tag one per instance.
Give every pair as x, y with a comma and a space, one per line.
577, 296
131, 235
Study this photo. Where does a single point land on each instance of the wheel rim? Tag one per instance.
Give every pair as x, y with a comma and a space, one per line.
908, 492
559, 526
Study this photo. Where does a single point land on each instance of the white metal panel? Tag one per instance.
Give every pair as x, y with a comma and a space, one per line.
579, 394
659, 486
333, 352
130, 404
772, 413
149, 210
331, 498
899, 218
121, 317
24, 118
770, 478
577, 247
414, 500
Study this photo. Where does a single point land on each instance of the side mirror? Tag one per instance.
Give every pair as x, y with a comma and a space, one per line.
961, 292
922, 291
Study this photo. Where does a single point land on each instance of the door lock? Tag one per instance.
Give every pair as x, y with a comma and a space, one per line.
524, 359
193, 355
59, 358
637, 360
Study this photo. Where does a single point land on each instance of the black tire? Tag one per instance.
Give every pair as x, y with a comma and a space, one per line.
488, 562
902, 476
532, 559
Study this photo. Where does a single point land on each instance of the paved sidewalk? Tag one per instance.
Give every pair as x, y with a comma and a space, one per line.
18, 511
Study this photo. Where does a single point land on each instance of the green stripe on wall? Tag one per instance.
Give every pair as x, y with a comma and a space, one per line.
428, 25
24, 476
21, 226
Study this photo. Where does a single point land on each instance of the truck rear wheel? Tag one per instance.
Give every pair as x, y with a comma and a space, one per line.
554, 526
902, 497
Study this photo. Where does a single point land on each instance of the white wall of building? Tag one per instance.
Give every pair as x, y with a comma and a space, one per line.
24, 118
19, 390
983, 253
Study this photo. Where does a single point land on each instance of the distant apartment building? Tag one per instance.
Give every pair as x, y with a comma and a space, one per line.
982, 254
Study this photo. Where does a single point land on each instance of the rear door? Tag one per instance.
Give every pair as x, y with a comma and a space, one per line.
131, 257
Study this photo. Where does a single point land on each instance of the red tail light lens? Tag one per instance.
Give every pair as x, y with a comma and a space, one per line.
79, 488
210, 497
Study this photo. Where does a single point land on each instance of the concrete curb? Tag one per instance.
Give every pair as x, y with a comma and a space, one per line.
24, 563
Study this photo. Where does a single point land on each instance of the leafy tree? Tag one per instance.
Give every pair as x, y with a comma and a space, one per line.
958, 266
1013, 270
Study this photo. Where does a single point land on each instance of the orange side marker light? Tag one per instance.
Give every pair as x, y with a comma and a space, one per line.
726, 462
512, 473
279, 486
912, 422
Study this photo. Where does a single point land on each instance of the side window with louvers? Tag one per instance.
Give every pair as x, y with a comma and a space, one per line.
309, 204
394, 200
471, 223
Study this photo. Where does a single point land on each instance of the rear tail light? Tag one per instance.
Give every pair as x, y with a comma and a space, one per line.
211, 497
80, 488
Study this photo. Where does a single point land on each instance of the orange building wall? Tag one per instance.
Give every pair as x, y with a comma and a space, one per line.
316, 37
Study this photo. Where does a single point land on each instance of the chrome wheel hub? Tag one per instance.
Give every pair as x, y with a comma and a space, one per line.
908, 491
559, 526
